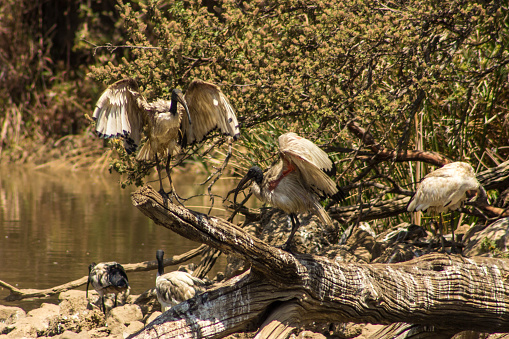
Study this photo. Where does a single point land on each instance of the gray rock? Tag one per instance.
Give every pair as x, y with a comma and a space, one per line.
72, 294
10, 314
126, 314
35, 323
134, 327
25, 328
121, 317
72, 335
45, 311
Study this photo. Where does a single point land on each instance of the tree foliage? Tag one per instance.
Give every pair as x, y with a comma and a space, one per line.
425, 75
416, 75
43, 90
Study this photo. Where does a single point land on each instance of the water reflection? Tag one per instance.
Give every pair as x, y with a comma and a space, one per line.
53, 225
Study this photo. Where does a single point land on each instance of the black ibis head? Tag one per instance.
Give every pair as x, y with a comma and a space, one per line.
118, 277
255, 173
160, 264
177, 95
480, 195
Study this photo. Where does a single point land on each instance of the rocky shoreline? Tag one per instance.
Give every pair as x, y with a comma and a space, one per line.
77, 317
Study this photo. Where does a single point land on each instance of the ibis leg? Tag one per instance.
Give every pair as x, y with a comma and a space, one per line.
432, 228
453, 242
441, 226
172, 189
161, 188
167, 167
295, 227
102, 301
115, 300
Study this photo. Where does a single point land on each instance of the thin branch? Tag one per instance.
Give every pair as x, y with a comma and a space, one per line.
111, 48
19, 294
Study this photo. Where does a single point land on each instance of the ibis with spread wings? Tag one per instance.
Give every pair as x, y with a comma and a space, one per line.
296, 183
123, 112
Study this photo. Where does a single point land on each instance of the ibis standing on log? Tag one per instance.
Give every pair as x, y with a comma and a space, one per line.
107, 278
296, 183
446, 188
122, 111
175, 287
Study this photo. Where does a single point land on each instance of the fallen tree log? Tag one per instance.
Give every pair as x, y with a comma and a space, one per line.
283, 291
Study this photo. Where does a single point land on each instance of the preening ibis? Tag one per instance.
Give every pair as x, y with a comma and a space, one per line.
106, 278
296, 183
446, 188
122, 111
175, 287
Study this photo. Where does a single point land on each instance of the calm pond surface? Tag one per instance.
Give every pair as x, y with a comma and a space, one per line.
54, 224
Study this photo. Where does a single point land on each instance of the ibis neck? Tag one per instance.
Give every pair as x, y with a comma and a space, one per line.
173, 103
160, 265
258, 176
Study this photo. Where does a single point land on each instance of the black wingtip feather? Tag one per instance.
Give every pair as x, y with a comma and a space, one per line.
340, 195
331, 172
129, 145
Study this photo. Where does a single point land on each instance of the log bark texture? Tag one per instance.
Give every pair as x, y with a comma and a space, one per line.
282, 291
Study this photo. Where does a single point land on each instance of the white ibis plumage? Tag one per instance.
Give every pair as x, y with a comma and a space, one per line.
123, 112
107, 278
446, 188
296, 183
175, 287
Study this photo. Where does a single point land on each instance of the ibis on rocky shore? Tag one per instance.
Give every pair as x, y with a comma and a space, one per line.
175, 287
107, 278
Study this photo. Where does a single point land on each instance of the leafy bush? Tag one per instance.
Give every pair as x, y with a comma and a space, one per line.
428, 75
414, 75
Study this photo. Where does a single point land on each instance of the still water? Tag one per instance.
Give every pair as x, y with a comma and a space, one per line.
54, 224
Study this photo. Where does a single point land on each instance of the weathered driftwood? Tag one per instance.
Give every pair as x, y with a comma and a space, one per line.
283, 291
496, 177
25, 293
413, 331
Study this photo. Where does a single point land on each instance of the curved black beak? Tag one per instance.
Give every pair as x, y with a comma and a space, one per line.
179, 96
88, 280
244, 182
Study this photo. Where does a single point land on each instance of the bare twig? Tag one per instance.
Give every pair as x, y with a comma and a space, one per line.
19, 294
111, 48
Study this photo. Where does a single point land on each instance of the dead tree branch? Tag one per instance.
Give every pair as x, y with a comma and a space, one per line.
22, 293
383, 154
284, 291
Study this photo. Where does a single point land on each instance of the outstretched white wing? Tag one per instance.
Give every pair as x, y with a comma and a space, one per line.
209, 109
310, 161
118, 113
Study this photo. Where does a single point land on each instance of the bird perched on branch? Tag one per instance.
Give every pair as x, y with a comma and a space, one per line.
107, 278
175, 287
296, 183
444, 189
123, 112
